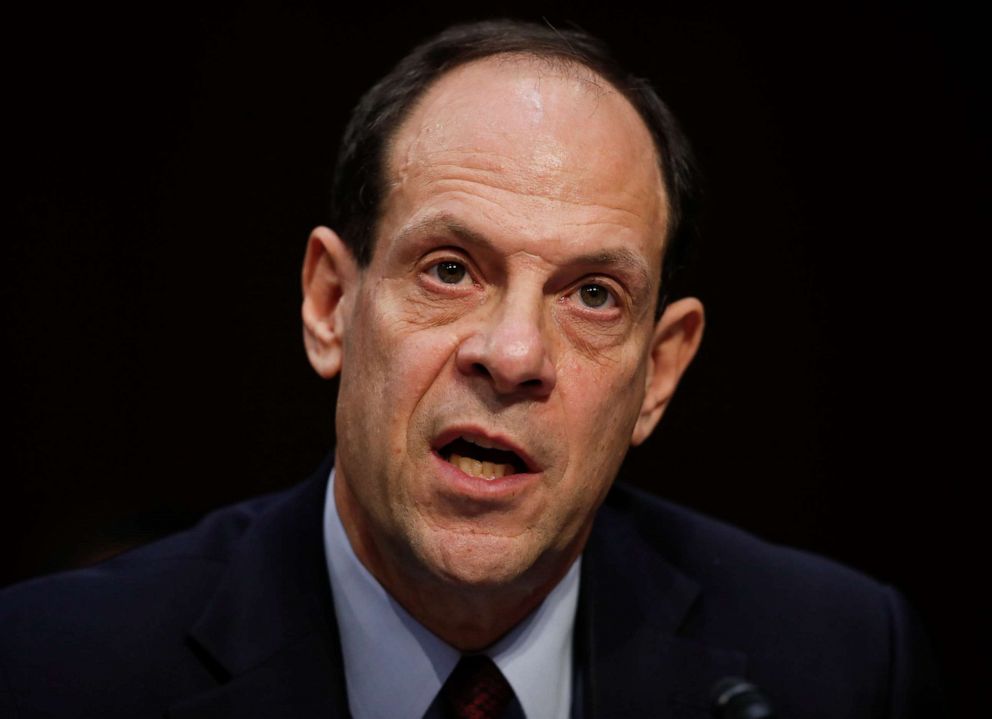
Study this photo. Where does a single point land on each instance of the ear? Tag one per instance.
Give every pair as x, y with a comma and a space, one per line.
329, 275
673, 345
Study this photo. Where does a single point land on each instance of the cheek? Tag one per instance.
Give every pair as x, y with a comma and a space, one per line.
399, 355
600, 403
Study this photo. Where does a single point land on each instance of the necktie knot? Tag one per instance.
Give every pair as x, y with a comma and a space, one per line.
476, 689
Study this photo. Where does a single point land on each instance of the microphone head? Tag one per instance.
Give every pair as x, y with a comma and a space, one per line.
735, 698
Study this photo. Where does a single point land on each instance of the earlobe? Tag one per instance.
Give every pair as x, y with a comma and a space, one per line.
329, 274
673, 345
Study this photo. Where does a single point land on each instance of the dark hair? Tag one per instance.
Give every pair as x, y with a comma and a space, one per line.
359, 182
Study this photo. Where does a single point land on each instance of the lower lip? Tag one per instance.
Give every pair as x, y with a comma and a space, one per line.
468, 485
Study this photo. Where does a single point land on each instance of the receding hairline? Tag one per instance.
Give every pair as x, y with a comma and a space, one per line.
565, 67
569, 67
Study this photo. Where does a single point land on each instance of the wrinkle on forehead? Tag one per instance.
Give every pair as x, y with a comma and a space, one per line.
531, 148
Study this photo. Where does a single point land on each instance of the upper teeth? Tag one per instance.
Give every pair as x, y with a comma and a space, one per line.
482, 442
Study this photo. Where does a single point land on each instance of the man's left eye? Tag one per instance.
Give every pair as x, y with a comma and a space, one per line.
595, 296
449, 272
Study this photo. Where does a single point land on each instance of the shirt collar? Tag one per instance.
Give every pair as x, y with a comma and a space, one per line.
383, 646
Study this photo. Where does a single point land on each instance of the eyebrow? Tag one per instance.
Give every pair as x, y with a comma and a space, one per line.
445, 223
619, 258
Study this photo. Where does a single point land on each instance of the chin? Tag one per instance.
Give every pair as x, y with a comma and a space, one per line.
480, 561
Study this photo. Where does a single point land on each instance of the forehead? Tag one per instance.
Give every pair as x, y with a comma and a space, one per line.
538, 138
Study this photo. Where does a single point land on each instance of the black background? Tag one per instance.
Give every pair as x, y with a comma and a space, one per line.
165, 165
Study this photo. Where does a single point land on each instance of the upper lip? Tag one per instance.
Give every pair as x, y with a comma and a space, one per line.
474, 433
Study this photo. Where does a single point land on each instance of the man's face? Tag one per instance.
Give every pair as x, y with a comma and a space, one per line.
497, 349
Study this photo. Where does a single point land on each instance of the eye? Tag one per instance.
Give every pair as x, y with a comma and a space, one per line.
595, 296
449, 272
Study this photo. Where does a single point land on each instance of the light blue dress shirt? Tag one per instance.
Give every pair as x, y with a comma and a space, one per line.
394, 667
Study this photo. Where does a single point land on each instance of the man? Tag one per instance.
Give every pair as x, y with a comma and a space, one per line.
509, 207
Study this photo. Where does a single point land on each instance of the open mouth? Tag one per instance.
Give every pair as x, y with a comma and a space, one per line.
479, 458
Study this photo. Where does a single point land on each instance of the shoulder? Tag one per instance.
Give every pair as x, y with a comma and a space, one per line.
160, 576
724, 558
803, 622
119, 627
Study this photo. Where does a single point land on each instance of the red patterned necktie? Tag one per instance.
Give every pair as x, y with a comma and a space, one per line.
476, 689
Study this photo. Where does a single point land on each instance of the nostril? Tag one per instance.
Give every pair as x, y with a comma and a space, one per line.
531, 383
481, 369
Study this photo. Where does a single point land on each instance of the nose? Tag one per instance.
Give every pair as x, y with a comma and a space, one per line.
510, 350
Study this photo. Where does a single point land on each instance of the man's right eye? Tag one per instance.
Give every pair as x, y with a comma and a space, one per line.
449, 272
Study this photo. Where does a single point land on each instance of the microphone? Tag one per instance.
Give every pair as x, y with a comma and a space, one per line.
734, 698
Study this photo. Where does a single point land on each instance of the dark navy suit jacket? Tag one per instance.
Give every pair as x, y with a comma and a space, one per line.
234, 618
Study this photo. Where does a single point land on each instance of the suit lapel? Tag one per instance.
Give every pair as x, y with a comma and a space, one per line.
268, 635
631, 659
270, 640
